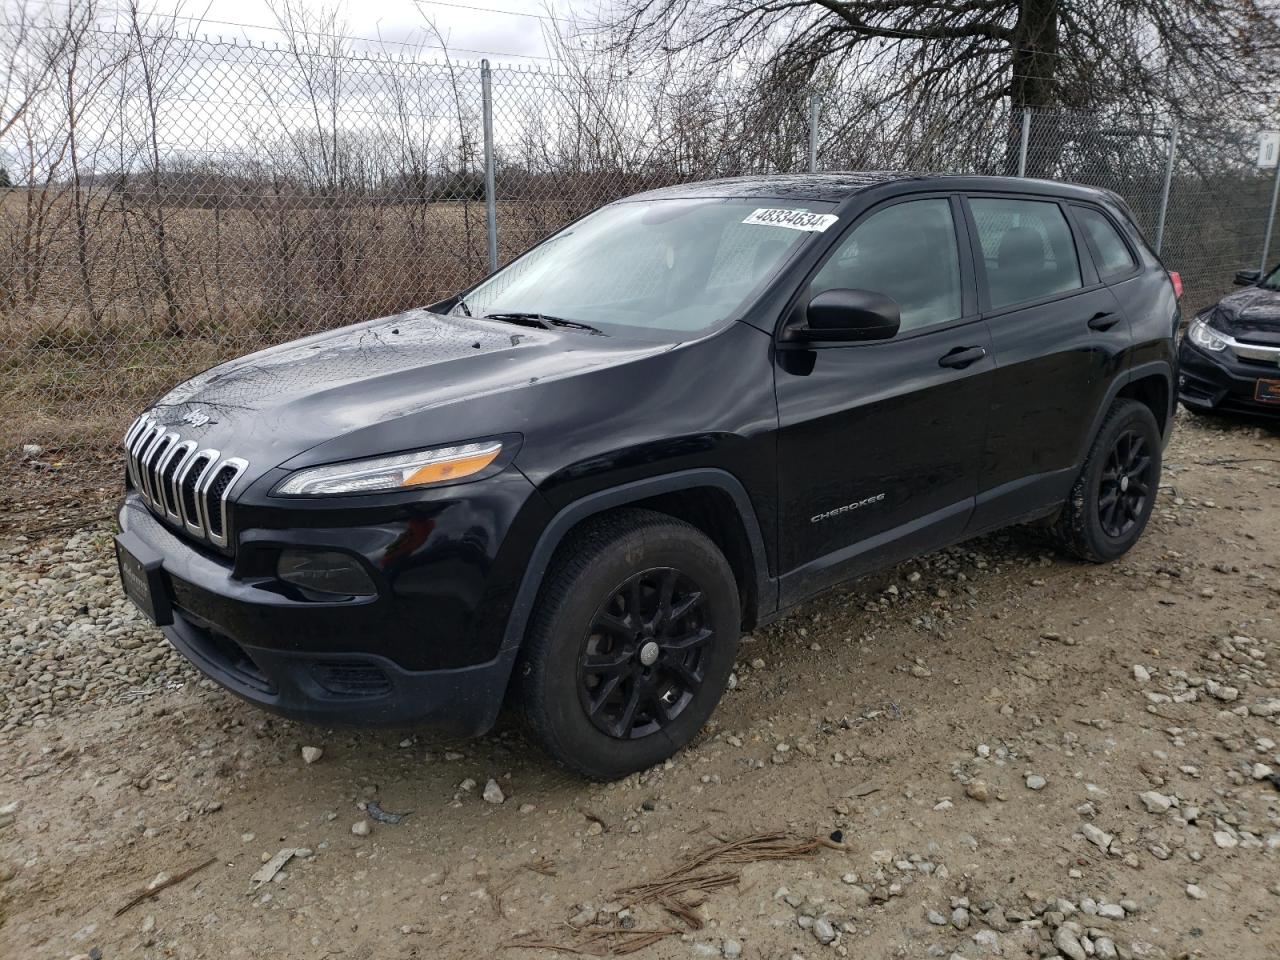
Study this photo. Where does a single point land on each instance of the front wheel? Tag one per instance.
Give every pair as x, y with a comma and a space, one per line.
1114, 495
631, 645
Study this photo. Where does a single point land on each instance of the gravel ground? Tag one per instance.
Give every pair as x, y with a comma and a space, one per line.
995, 751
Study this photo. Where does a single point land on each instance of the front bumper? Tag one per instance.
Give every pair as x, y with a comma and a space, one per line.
381, 661
1222, 382
347, 688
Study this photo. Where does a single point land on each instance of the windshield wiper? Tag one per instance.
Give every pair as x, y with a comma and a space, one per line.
541, 321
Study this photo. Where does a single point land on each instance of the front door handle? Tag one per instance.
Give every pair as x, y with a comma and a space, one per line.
1103, 321
961, 357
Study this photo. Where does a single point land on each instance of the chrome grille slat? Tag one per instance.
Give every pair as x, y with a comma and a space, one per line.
127, 443
181, 482
154, 455
177, 457
148, 446
135, 447
201, 525
132, 433
1254, 351
190, 518
238, 467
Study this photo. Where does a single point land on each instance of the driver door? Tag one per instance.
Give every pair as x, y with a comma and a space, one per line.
880, 442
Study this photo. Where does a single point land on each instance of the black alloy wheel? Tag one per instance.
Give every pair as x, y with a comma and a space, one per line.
1111, 501
1125, 484
631, 644
642, 662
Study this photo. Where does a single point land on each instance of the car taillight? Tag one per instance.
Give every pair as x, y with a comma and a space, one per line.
1176, 277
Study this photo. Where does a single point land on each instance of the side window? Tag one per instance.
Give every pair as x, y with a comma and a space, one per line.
1027, 249
908, 252
1114, 258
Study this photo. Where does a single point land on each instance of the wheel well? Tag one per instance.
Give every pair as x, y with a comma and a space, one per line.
714, 512
1154, 392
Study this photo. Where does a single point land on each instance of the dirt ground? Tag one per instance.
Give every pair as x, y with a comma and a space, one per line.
1005, 753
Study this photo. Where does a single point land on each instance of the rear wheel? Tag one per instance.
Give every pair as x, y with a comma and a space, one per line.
1114, 495
631, 645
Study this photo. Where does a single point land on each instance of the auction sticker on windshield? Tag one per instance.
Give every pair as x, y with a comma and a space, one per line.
792, 219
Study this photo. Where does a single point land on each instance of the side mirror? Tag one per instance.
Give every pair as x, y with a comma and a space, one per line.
1247, 278
851, 315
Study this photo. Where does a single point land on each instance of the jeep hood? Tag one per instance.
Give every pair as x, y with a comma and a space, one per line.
451, 378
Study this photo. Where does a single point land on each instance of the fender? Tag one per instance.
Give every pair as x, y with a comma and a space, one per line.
598, 502
1161, 368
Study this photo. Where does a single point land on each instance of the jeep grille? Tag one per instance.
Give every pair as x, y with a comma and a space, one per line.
185, 485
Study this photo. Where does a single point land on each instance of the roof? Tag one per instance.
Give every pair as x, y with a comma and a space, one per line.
836, 187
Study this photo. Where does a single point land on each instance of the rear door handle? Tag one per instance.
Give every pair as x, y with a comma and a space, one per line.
961, 357
1103, 321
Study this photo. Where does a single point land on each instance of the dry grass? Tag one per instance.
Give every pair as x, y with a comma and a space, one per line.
78, 361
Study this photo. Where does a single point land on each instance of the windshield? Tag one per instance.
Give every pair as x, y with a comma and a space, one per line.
1272, 280
655, 268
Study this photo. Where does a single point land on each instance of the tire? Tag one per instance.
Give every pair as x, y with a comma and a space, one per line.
587, 647
1113, 497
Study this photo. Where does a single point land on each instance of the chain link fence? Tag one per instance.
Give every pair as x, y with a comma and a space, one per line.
168, 202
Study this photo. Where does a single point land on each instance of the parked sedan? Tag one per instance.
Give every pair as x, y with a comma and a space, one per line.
1229, 359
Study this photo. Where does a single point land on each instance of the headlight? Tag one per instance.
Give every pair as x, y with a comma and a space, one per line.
399, 472
1205, 337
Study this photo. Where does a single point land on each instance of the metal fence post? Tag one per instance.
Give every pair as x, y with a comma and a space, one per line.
1271, 220
1168, 182
1026, 142
490, 187
815, 105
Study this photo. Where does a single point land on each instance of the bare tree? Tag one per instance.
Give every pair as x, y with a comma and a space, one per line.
154, 52
27, 66
468, 151
971, 55
84, 75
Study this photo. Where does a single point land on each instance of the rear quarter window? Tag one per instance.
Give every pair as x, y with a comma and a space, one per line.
1111, 254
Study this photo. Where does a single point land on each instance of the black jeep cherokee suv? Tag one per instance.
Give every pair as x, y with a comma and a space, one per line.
577, 482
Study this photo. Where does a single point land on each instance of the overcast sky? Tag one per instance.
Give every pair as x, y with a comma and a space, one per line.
508, 30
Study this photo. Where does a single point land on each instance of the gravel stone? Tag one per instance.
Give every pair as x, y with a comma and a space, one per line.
978, 790
823, 931
1098, 837
988, 941
1067, 940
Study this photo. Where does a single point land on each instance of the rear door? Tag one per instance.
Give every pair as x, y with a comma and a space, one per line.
879, 442
1058, 335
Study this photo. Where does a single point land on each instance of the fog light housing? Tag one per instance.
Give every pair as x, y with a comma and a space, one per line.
330, 573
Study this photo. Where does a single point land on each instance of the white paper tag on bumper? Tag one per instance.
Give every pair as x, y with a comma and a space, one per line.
792, 219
